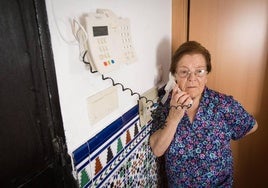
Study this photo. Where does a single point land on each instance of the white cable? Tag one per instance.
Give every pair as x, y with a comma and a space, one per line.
57, 26
79, 33
81, 36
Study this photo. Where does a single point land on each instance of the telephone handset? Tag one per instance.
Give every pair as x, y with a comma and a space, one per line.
168, 88
109, 40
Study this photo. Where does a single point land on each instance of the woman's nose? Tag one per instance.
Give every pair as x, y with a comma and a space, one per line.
191, 76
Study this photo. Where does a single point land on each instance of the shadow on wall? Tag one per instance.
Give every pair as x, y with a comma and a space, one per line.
253, 149
163, 62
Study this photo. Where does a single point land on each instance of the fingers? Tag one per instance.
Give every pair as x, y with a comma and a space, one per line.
179, 103
188, 103
175, 91
176, 94
180, 99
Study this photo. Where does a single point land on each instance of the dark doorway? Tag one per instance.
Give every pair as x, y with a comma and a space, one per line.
33, 146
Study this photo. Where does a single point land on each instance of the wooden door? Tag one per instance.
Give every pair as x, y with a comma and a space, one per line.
236, 34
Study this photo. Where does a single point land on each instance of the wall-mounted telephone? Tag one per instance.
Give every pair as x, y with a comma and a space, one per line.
105, 42
109, 41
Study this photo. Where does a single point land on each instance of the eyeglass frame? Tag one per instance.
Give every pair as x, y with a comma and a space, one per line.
204, 71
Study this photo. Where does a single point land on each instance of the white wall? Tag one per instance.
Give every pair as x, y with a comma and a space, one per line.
151, 34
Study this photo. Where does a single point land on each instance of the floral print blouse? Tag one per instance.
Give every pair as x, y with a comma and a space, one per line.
200, 153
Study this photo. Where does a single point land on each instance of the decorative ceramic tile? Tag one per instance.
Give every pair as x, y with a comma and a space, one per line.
124, 158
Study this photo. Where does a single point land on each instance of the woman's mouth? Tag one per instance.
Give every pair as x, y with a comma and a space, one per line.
191, 87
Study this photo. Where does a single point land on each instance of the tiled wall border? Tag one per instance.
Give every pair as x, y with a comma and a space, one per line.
82, 152
104, 154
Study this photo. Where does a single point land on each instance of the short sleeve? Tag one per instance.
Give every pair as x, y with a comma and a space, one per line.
238, 119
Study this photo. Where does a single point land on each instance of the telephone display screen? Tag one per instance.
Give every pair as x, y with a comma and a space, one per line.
100, 31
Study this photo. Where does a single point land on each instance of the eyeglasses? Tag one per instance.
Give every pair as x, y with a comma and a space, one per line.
183, 73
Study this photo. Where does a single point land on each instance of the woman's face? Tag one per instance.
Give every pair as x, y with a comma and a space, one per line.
191, 74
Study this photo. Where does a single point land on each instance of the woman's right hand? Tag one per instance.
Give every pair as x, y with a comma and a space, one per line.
178, 104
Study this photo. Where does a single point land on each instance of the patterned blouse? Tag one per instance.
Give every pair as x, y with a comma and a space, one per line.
200, 153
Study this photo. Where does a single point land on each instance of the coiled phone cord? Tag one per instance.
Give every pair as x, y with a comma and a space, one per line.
118, 84
154, 104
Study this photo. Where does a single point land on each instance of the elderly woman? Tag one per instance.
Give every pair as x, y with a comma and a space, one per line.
194, 127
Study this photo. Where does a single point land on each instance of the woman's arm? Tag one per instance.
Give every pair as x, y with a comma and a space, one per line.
161, 139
